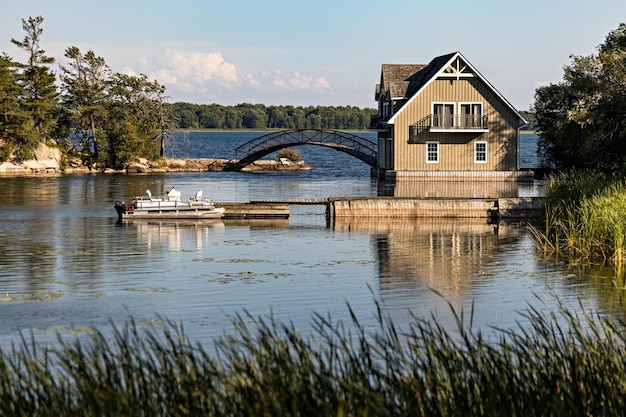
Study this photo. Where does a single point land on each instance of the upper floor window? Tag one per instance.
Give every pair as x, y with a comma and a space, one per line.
480, 152
432, 152
471, 115
443, 115
386, 112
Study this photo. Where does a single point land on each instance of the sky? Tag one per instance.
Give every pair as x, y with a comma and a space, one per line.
323, 52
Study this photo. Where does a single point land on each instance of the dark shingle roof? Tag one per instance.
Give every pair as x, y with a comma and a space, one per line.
395, 78
404, 80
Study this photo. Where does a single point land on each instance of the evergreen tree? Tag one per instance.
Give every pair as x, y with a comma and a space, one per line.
84, 82
17, 138
39, 94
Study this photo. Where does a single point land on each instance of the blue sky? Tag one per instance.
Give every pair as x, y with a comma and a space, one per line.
324, 52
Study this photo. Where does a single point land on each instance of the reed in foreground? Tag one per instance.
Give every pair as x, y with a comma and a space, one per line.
557, 365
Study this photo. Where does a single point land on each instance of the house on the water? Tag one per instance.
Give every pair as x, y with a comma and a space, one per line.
445, 121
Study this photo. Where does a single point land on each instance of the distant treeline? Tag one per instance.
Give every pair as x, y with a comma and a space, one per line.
260, 116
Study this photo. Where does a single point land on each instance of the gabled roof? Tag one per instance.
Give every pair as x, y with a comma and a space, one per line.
409, 86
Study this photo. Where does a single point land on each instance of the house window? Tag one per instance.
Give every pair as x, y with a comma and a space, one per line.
432, 152
443, 115
386, 111
480, 152
471, 115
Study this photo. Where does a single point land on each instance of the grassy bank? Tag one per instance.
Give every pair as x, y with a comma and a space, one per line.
555, 366
585, 218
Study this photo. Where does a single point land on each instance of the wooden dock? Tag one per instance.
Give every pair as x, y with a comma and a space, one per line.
255, 210
392, 207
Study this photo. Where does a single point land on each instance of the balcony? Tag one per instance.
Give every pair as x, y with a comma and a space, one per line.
438, 123
456, 123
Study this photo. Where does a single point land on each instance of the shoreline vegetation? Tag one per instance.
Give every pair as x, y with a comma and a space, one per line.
557, 364
50, 160
584, 218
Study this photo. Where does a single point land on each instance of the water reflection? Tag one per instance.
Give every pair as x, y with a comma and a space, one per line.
490, 268
176, 235
442, 254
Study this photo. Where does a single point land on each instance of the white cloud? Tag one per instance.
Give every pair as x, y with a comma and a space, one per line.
278, 82
194, 68
252, 81
301, 82
193, 76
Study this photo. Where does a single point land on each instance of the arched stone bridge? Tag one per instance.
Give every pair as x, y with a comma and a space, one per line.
361, 148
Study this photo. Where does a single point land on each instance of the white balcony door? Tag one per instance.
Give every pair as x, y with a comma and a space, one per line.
443, 115
471, 115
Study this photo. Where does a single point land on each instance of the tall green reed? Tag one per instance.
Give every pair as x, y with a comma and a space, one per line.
584, 218
558, 364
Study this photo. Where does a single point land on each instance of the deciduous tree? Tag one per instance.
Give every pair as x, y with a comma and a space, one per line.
136, 120
582, 120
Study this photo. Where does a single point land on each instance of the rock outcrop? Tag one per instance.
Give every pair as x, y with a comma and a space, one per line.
46, 159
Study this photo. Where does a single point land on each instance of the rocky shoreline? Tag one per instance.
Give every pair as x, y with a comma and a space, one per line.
47, 160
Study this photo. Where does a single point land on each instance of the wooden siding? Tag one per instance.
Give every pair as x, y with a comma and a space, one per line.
456, 150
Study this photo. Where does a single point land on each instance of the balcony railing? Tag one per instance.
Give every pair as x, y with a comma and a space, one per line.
447, 123
458, 122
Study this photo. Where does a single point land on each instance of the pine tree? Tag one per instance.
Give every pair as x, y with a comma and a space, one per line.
39, 94
17, 138
84, 89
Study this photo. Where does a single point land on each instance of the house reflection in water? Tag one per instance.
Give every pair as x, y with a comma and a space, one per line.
451, 256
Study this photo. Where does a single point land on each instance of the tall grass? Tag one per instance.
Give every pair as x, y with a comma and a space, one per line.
584, 218
557, 365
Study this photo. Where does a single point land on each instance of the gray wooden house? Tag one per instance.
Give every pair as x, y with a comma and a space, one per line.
444, 120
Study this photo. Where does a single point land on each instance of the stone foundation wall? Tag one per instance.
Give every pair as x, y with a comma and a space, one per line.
394, 207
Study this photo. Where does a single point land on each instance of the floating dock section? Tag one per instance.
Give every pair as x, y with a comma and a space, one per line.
255, 210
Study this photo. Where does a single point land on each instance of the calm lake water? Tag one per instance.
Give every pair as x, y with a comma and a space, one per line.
66, 266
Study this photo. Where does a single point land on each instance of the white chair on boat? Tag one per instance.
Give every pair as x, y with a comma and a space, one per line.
198, 196
173, 195
149, 194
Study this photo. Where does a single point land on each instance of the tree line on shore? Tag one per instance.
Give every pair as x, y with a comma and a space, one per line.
260, 116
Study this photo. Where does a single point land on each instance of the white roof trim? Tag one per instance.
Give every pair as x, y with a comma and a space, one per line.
443, 68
